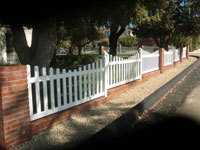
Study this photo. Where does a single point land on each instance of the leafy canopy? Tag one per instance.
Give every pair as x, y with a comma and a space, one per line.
166, 20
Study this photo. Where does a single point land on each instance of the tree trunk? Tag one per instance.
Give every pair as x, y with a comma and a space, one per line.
44, 41
79, 50
114, 36
20, 44
113, 43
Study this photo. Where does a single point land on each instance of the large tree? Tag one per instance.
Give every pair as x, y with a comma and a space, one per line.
44, 21
44, 38
157, 22
119, 21
166, 20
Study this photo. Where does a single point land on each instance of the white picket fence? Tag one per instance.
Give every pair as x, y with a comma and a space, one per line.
51, 91
121, 71
168, 58
184, 52
150, 61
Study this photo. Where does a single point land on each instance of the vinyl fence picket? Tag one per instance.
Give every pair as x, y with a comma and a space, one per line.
89, 81
64, 88
30, 91
97, 78
52, 90
75, 86
93, 79
101, 77
58, 89
110, 70
37, 92
119, 68
70, 87
80, 84
85, 83
45, 94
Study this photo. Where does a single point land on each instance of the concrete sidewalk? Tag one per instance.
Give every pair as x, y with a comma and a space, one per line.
191, 107
195, 53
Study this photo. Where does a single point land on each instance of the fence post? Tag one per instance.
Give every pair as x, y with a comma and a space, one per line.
106, 72
101, 50
181, 53
161, 60
140, 60
187, 51
120, 49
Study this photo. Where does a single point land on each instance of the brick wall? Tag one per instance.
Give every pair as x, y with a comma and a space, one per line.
14, 106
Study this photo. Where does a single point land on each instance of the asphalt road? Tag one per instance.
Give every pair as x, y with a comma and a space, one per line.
173, 121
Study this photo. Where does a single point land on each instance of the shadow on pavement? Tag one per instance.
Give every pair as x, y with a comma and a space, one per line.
169, 132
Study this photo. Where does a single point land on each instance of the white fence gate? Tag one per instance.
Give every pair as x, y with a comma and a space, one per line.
51, 91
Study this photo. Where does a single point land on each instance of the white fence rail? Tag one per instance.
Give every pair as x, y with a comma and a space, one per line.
51, 91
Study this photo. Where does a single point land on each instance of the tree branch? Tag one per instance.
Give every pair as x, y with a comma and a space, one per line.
122, 29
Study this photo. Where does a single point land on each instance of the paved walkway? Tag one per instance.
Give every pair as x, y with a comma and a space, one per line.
191, 106
195, 53
173, 121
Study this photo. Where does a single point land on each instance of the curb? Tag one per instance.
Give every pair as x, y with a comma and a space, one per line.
122, 125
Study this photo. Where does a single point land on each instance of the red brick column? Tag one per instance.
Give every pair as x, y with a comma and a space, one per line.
161, 60
181, 54
187, 51
101, 50
14, 107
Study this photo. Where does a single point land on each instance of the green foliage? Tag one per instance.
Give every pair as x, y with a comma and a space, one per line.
80, 30
157, 21
74, 61
195, 43
128, 41
113, 13
104, 42
167, 20
180, 40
